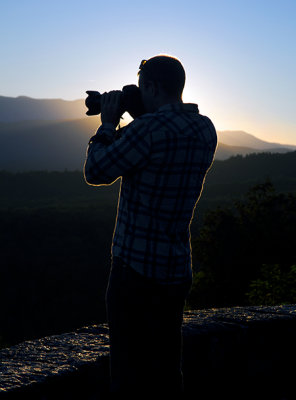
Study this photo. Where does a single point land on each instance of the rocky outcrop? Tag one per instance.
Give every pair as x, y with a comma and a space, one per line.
59, 365
231, 351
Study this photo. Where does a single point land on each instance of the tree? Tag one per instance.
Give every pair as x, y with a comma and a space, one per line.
235, 242
274, 286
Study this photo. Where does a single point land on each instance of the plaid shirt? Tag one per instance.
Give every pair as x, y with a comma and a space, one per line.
163, 158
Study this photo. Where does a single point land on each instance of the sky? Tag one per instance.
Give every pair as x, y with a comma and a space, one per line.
239, 55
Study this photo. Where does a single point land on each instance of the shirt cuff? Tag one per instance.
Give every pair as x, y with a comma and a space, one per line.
105, 134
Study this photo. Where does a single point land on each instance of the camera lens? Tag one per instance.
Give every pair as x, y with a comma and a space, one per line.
93, 102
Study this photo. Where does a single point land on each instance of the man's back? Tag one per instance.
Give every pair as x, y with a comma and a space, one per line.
163, 158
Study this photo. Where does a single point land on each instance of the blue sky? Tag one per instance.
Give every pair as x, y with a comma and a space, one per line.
239, 56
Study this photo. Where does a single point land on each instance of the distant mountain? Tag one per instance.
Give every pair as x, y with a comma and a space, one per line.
24, 108
244, 139
60, 145
45, 145
225, 151
52, 134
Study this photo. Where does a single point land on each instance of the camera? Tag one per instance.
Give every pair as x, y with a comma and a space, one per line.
131, 101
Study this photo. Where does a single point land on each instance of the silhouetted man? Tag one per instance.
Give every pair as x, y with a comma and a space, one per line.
163, 157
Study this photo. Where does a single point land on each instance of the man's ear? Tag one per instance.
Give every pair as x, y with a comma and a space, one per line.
152, 88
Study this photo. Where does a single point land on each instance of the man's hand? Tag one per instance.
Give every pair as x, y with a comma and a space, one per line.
110, 107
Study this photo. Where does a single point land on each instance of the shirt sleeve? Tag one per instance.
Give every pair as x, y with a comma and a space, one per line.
111, 155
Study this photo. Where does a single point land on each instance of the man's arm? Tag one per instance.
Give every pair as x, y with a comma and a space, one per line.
110, 156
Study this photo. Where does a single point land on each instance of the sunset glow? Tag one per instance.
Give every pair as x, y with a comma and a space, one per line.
238, 55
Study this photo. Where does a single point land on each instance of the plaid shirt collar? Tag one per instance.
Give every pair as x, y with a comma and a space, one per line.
179, 107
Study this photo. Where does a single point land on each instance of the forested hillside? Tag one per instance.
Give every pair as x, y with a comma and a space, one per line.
233, 177
225, 180
56, 232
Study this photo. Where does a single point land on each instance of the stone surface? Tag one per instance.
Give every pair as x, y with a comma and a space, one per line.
28, 365
244, 352
225, 350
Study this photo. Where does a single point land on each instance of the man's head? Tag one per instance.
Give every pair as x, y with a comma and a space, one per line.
161, 81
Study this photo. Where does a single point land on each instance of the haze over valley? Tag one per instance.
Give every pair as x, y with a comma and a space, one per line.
52, 134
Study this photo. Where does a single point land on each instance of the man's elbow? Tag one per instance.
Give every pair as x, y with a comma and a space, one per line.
97, 180
91, 181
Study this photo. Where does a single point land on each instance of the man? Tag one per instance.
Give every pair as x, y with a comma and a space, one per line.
163, 157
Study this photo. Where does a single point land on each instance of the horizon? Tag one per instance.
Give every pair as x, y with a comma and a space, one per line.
237, 55
128, 119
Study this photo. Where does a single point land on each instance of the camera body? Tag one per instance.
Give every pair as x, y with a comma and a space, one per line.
131, 101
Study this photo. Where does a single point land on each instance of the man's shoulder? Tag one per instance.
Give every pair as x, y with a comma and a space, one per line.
205, 119
145, 118
139, 126
185, 115
208, 131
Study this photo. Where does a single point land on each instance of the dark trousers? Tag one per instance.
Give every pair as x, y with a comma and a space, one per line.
145, 321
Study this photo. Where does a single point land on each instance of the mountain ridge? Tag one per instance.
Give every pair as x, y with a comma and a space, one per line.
39, 132
61, 144
19, 108
239, 138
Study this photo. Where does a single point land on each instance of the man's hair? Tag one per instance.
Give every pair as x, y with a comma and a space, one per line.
166, 71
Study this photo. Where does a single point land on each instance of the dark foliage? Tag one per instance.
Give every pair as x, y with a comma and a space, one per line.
235, 242
56, 232
55, 253
275, 285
